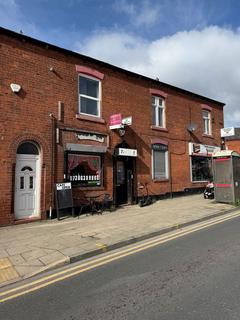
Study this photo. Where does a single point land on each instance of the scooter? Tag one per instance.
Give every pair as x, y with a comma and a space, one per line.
146, 199
209, 191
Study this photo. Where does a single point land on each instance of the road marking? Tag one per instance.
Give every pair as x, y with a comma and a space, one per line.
97, 262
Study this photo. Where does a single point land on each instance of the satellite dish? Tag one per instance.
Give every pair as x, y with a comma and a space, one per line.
192, 127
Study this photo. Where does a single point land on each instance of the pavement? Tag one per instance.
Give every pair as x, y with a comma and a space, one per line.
29, 249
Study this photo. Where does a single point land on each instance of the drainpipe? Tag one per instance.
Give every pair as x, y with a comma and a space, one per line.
170, 171
52, 164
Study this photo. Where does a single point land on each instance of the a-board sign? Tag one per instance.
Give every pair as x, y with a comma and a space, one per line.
63, 196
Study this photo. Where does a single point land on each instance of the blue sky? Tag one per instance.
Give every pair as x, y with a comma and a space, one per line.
188, 43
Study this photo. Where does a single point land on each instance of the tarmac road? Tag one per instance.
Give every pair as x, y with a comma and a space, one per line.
192, 277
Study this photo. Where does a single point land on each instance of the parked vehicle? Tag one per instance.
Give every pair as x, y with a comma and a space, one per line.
209, 191
146, 199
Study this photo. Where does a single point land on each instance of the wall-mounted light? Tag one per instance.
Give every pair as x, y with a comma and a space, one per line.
121, 132
15, 87
51, 69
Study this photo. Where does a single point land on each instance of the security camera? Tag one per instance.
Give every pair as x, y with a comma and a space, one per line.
15, 87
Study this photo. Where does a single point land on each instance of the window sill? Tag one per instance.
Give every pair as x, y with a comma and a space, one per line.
194, 182
208, 135
90, 118
160, 180
159, 128
100, 188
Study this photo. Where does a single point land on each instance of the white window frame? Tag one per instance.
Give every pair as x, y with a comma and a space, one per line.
166, 168
156, 107
206, 119
90, 97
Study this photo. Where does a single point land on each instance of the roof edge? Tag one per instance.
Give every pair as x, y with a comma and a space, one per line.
108, 65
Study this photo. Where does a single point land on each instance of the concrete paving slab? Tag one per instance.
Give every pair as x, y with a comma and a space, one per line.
34, 254
28, 270
52, 257
12, 251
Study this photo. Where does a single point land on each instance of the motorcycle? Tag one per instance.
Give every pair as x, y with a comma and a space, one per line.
209, 191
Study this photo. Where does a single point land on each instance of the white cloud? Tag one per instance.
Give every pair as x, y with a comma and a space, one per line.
143, 14
11, 17
205, 61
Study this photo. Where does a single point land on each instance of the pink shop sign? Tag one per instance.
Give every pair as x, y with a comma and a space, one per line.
115, 121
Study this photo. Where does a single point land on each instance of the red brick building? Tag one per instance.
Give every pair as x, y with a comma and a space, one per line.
232, 142
56, 106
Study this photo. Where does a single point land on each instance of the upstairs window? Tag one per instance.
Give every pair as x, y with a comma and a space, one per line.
206, 115
89, 95
158, 111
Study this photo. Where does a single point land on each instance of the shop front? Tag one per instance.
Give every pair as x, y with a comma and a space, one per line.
201, 161
84, 160
124, 166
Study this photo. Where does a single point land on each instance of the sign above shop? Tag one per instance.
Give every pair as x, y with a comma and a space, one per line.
90, 136
202, 149
126, 152
115, 121
227, 132
127, 121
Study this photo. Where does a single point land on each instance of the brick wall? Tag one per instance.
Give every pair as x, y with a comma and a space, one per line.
233, 145
26, 117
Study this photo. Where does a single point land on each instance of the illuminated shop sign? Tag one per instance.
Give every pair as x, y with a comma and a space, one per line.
202, 149
227, 132
126, 152
115, 121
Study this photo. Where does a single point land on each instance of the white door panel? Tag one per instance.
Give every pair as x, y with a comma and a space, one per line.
26, 186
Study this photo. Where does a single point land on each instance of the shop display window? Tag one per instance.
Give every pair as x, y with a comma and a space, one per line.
84, 170
201, 168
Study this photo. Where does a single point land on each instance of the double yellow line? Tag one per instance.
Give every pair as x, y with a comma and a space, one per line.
97, 262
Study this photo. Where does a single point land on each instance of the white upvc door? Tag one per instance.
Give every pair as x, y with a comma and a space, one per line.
27, 186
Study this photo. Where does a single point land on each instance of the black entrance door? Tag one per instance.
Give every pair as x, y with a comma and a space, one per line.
123, 180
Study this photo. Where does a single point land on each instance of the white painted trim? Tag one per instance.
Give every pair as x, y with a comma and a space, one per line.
166, 165
156, 107
36, 158
99, 99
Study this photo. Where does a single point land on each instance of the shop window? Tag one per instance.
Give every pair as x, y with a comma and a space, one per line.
206, 122
158, 112
84, 170
159, 161
201, 168
89, 95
